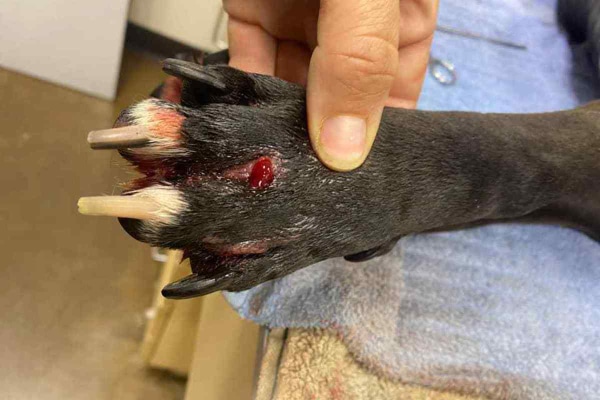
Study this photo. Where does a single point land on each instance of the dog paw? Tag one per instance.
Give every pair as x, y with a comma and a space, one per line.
228, 175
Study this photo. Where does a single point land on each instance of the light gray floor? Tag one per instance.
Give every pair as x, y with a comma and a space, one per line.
73, 289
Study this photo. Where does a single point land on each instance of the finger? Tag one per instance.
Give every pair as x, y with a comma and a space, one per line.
292, 62
412, 66
417, 25
350, 76
251, 49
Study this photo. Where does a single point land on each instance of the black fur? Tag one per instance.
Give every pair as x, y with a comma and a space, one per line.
581, 20
427, 170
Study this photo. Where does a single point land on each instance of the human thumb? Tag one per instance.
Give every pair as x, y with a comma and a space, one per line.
351, 72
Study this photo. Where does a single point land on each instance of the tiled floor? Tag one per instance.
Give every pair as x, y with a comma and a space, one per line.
73, 289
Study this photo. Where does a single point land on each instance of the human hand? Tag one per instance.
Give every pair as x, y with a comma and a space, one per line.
354, 56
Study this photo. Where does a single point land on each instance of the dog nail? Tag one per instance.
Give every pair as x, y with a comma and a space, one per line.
195, 285
155, 203
118, 206
125, 136
194, 72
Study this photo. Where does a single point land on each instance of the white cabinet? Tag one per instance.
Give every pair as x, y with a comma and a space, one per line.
75, 43
197, 23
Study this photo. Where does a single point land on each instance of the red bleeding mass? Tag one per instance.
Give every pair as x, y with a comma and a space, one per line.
262, 173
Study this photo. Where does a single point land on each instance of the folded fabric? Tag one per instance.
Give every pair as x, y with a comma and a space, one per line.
304, 364
507, 310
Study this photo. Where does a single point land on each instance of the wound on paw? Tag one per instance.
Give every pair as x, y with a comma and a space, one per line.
171, 90
261, 175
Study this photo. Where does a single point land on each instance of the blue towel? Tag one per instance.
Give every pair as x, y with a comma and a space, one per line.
507, 310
